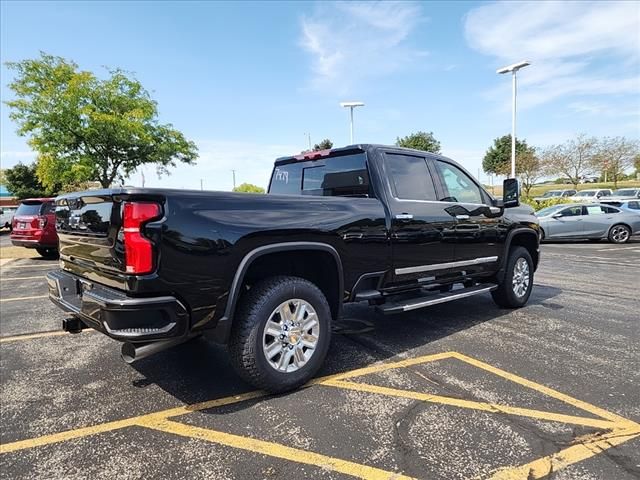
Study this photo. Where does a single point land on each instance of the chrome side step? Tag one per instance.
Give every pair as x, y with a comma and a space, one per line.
428, 300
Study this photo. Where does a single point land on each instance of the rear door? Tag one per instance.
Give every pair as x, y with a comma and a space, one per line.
476, 232
598, 219
420, 225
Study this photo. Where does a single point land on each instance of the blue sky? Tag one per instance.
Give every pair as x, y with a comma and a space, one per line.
246, 81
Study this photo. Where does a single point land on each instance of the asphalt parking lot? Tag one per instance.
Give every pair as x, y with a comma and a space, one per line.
463, 390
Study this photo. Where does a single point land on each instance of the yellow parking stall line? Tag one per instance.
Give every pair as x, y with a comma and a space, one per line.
541, 388
21, 278
30, 336
473, 405
276, 450
15, 299
127, 422
586, 448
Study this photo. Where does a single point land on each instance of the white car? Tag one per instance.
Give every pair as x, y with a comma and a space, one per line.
549, 194
592, 195
621, 195
6, 215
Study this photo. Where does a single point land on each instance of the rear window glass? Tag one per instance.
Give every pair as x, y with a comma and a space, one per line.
343, 176
31, 208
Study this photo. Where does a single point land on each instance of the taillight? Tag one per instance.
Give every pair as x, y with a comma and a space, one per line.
42, 222
138, 250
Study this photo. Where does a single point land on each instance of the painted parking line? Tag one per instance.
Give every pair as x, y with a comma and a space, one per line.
7, 279
10, 265
16, 299
615, 429
33, 336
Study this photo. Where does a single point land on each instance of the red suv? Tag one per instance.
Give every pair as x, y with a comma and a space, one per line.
34, 226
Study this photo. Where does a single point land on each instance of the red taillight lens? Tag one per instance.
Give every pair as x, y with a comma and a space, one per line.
138, 250
42, 222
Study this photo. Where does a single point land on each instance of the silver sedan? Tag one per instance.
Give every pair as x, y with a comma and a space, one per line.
580, 221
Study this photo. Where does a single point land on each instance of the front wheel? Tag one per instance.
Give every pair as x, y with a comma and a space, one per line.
619, 234
48, 253
515, 288
281, 333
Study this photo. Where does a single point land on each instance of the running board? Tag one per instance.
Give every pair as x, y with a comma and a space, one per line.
428, 300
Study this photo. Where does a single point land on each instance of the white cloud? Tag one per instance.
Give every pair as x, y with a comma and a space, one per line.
252, 162
576, 48
351, 42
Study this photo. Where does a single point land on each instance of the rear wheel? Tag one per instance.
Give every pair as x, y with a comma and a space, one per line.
515, 288
619, 234
281, 333
48, 253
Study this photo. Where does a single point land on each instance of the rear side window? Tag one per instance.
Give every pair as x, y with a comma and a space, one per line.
610, 210
30, 208
595, 210
634, 205
48, 207
341, 176
409, 177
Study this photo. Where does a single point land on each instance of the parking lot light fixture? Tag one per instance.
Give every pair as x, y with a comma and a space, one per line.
513, 69
351, 106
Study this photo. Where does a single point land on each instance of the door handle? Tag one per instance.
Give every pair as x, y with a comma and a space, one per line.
404, 216
462, 217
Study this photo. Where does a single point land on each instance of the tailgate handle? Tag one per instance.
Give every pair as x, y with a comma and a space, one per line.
404, 216
462, 217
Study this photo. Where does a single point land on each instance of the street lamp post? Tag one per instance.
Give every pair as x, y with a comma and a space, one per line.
351, 106
513, 69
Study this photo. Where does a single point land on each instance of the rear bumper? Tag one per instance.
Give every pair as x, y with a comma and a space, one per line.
121, 317
33, 242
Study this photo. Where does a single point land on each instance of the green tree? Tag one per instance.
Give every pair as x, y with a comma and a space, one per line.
23, 182
248, 188
325, 144
614, 156
497, 159
573, 159
90, 129
529, 169
424, 141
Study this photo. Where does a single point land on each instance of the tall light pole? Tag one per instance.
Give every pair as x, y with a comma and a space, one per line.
351, 106
513, 69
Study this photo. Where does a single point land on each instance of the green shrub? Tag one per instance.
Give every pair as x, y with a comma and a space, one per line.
536, 205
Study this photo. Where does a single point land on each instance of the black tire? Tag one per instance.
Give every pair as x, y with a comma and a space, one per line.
505, 296
248, 332
48, 253
619, 233
542, 234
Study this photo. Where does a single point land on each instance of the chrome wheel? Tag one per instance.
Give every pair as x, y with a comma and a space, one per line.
290, 336
521, 277
619, 234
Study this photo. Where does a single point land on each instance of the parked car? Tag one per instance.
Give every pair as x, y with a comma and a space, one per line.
34, 226
578, 221
589, 179
549, 194
267, 274
6, 215
632, 206
594, 195
622, 194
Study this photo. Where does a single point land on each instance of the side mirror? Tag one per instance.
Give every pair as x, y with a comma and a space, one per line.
510, 193
556, 215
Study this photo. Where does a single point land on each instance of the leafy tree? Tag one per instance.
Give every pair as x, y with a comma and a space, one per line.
90, 129
573, 159
529, 170
497, 159
3, 179
614, 156
248, 188
636, 163
420, 141
23, 182
325, 144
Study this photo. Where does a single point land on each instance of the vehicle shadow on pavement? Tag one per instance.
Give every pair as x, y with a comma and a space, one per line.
200, 370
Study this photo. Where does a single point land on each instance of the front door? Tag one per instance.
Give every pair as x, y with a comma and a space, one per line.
420, 225
567, 223
479, 225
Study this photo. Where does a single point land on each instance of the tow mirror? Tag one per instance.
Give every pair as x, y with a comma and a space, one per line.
510, 193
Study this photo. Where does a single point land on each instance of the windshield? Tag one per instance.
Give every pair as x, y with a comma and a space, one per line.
586, 193
625, 192
545, 212
31, 208
552, 193
340, 176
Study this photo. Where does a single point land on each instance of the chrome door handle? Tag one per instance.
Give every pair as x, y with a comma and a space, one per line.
404, 216
462, 217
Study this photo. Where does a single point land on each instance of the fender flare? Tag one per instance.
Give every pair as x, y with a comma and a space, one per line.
507, 246
223, 328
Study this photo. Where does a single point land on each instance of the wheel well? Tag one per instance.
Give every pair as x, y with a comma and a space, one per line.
317, 266
620, 223
528, 241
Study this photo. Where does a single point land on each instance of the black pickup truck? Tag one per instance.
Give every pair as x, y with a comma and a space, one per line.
267, 274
